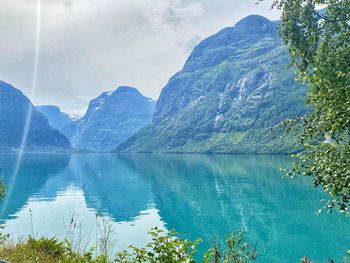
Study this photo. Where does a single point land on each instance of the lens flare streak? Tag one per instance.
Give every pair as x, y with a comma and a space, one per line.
29, 111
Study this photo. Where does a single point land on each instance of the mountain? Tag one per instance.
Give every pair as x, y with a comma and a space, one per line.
111, 118
14, 108
234, 86
56, 117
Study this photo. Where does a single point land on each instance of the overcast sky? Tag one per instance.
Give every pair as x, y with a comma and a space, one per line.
91, 46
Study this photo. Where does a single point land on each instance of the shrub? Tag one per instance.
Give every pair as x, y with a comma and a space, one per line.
162, 249
236, 251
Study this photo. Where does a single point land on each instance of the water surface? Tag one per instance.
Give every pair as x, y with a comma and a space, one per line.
201, 196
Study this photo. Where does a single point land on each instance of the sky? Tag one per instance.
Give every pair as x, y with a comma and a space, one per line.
87, 47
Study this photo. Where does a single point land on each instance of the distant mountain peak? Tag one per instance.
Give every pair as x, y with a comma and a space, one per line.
110, 119
126, 90
255, 24
218, 47
56, 117
5, 84
111, 97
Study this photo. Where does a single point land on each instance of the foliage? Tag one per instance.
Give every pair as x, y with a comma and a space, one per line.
162, 249
319, 44
3, 236
237, 251
47, 246
169, 249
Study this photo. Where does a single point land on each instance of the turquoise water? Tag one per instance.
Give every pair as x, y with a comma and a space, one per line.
201, 196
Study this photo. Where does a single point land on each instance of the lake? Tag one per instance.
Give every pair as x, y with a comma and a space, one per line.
201, 196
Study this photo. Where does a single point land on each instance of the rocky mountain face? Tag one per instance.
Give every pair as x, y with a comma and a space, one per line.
14, 107
56, 117
111, 118
234, 86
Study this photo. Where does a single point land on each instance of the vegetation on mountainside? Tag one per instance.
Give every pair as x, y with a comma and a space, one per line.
258, 141
319, 45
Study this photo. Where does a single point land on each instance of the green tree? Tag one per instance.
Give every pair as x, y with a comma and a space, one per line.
319, 45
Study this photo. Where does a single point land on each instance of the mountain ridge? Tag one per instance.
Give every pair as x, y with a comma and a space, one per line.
56, 117
234, 86
14, 106
111, 118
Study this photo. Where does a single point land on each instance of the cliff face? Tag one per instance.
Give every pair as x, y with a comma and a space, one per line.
111, 118
234, 86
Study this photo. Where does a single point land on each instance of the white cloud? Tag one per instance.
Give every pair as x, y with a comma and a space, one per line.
167, 14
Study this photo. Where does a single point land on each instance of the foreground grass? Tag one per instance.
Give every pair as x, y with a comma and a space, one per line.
45, 250
162, 249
